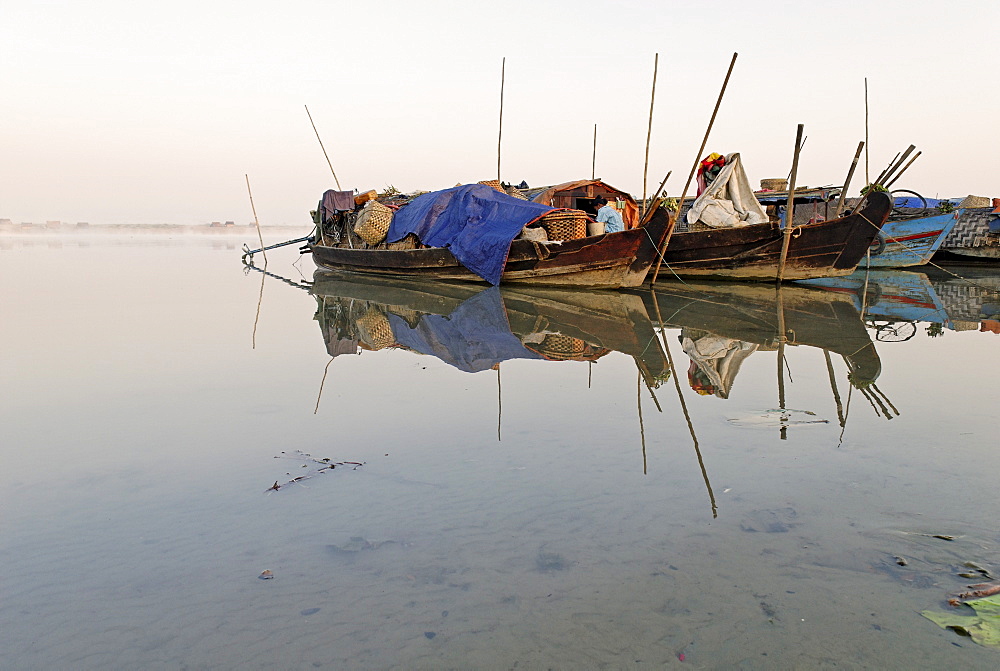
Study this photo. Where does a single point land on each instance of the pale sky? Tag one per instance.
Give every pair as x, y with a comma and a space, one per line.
132, 112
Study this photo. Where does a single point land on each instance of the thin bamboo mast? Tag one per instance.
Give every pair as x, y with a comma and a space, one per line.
900, 173
323, 148
847, 182
255, 221
649, 133
503, 72
697, 159
895, 166
790, 206
593, 156
867, 176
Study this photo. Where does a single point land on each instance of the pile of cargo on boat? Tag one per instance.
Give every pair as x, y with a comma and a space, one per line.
491, 232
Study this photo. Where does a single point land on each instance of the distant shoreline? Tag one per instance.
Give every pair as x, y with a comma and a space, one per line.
75, 229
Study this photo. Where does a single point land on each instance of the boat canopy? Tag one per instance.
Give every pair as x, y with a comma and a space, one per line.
578, 194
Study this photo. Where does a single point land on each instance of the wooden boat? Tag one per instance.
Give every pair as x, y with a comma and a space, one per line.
820, 249
607, 261
474, 328
909, 242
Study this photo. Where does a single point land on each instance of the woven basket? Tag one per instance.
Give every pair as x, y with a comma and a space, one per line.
778, 184
373, 222
495, 183
560, 347
374, 330
515, 192
565, 224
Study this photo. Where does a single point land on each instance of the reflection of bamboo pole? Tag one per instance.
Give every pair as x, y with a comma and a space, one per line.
782, 338
649, 133
499, 402
322, 382
687, 416
867, 395
642, 429
697, 160
833, 386
847, 413
882, 394
260, 299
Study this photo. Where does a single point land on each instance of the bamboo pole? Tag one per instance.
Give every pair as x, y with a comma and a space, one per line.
503, 73
255, 221
323, 148
867, 180
878, 180
697, 160
900, 173
649, 133
593, 156
652, 200
847, 182
895, 166
790, 206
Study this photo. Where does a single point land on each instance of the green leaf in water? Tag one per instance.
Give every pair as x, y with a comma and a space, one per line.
983, 627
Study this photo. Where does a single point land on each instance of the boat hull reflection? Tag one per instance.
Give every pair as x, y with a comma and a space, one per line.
759, 315
474, 329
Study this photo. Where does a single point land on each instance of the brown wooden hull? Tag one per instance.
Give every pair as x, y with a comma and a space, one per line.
823, 249
609, 261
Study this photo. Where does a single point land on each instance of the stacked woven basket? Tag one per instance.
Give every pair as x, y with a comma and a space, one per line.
373, 222
565, 224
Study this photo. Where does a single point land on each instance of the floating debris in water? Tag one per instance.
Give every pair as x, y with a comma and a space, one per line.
778, 417
320, 466
266, 574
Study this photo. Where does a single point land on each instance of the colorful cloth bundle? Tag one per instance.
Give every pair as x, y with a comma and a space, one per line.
709, 169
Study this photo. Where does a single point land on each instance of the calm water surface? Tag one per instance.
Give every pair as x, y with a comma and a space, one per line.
531, 494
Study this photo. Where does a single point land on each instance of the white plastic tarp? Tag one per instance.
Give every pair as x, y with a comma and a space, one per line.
729, 200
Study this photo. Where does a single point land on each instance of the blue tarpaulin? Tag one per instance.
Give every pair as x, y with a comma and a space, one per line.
476, 222
475, 336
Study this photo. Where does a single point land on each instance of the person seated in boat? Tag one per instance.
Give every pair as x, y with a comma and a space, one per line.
608, 216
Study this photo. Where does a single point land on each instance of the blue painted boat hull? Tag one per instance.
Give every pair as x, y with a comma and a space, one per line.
909, 242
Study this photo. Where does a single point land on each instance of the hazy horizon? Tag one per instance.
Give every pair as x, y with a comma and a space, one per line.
122, 113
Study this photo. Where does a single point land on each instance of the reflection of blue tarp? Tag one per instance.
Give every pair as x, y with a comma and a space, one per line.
476, 222
474, 337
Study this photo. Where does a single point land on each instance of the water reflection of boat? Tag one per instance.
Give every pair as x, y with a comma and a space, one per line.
895, 301
758, 315
889, 298
474, 329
